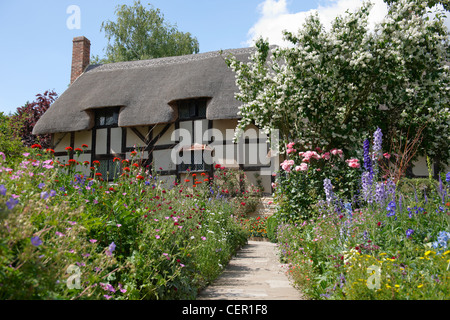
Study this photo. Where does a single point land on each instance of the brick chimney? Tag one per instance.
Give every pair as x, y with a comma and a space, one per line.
80, 57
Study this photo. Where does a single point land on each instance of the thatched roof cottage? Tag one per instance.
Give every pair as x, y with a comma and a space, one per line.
139, 105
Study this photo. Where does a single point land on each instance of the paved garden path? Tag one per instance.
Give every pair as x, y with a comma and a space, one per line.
255, 273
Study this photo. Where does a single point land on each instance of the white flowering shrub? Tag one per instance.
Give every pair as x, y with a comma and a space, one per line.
332, 89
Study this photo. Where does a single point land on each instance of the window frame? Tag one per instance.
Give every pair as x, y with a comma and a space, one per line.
108, 156
115, 114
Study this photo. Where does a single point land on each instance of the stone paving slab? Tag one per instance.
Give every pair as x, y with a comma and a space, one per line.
255, 273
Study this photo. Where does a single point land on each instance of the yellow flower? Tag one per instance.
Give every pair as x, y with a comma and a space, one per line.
420, 286
446, 252
390, 259
429, 252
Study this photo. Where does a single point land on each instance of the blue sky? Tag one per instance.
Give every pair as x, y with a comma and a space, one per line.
36, 44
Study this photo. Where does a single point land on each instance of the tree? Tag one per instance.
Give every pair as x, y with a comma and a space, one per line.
140, 33
430, 3
26, 117
332, 89
10, 145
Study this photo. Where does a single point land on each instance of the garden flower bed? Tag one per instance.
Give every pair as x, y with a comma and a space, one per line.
386, 241
68, 236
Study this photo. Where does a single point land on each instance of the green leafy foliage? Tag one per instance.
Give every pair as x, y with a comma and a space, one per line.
331, 88
141, 33
64, 235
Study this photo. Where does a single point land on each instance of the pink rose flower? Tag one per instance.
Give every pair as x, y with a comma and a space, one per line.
353, 163
287, 164
302, 167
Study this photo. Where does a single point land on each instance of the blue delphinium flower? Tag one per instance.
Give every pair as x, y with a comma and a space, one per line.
442, 240
391, 209
367, 160
380, 193
377, 141
366, 186
328, 187
447, 177
390, 188
348, 208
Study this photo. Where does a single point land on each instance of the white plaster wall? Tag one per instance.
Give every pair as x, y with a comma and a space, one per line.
166, 137
133, 139
162, 159
420, 167
223, 125
61, 140
100, 143
83, 137
116, 140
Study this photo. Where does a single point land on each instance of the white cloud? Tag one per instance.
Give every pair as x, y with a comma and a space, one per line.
275, 17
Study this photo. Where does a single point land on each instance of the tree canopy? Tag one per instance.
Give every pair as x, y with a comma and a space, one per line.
430, 3
333, 89
142, 33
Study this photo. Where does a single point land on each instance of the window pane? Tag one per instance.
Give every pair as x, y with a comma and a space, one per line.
202, 110
105, 117
183, 112
109, 169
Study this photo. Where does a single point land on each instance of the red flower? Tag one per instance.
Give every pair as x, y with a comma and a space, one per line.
379, 223
86, 163
69, 148
84, 146
78, 150
187, 180
243, 203
133, 153
127, 169
50, 150
135, 165
217, 166
96, 163
36, 146
140, 177
111, 189
98, 174
116, 159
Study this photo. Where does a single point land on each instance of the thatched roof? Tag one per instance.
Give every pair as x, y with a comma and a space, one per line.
144, 90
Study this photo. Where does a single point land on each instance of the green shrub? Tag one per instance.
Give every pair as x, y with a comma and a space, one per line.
272, 226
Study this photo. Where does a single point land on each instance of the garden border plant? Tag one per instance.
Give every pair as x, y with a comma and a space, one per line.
133, 238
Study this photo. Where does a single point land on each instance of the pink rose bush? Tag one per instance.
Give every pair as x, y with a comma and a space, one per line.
302, 174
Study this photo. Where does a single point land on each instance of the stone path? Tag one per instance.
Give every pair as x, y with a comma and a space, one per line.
255, 273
